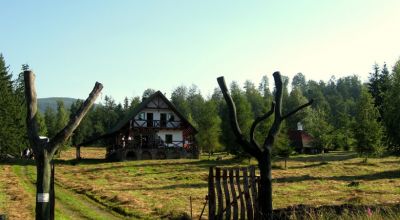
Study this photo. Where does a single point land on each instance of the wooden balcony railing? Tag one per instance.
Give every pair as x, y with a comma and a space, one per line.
157, 124
159, 144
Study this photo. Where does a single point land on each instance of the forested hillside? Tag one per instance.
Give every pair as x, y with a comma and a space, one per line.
51, 102
346, 114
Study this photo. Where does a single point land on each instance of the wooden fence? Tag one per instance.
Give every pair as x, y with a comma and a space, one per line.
232, 193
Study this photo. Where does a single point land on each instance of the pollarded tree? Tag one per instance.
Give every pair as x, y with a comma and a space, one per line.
261, 152
244, 117
368, 131
44, 151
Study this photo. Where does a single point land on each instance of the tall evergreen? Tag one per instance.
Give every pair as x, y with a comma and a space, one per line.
368, 131
12, 123
62, 116
50, 120
209, 126
391, 106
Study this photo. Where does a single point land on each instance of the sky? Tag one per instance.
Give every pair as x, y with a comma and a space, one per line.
130, 46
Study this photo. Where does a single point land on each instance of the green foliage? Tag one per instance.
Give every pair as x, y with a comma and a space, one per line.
391, 106
294, 100
209, 126
282, 147
12, 113
50, 120
62, 116
179, 99
367, 129
148, 92
41, 122
321, 130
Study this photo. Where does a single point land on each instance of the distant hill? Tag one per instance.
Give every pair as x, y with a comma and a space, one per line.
52, 102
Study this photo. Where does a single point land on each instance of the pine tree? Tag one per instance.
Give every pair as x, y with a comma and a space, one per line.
391, 106
41, 122
179, 99
50, 120
209, 126
367, 129
12, 123
61, 117
321, 130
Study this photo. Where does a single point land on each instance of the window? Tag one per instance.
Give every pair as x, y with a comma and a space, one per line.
168, 138
171, 117
141, 116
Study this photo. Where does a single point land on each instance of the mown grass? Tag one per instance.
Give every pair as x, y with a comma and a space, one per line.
3, 197
157, 189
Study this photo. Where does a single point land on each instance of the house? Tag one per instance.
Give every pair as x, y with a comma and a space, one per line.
155, 129
302, 141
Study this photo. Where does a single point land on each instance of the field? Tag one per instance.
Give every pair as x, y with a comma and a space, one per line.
157, 189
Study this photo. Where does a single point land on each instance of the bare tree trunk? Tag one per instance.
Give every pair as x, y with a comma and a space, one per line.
43, 173
262, 154
265, 191
44, 151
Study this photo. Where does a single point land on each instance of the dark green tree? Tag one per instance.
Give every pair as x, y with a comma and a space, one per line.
391, 106
62, 116
368, 131
41, 122
299, 82
12, 136
147, 93
50, 120
321, 130
209, 126
179, 99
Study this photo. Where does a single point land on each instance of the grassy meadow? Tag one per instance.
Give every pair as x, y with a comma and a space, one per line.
160, 189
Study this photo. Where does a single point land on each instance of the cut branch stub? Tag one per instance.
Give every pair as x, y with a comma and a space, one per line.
64, 134
31, 102
231, 106
257, 121
253, 150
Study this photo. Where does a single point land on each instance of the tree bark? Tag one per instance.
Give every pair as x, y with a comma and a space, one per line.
43, 150
262, 154
43, 173
265, 191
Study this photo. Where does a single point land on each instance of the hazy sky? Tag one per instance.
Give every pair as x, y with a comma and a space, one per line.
133, 45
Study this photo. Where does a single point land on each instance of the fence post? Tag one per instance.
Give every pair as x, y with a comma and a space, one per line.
211, 195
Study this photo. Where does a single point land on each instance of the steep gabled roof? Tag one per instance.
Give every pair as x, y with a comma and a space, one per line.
132, 113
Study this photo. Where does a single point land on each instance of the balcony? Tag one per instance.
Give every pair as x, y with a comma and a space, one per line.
157, 124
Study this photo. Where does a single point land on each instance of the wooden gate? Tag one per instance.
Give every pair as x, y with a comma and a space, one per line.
232, 193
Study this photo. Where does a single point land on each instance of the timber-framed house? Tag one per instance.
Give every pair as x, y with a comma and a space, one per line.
155, 129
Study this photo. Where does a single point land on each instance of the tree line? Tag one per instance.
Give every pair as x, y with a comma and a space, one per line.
346, 114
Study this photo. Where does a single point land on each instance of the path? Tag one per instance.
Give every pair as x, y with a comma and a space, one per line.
70, 205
